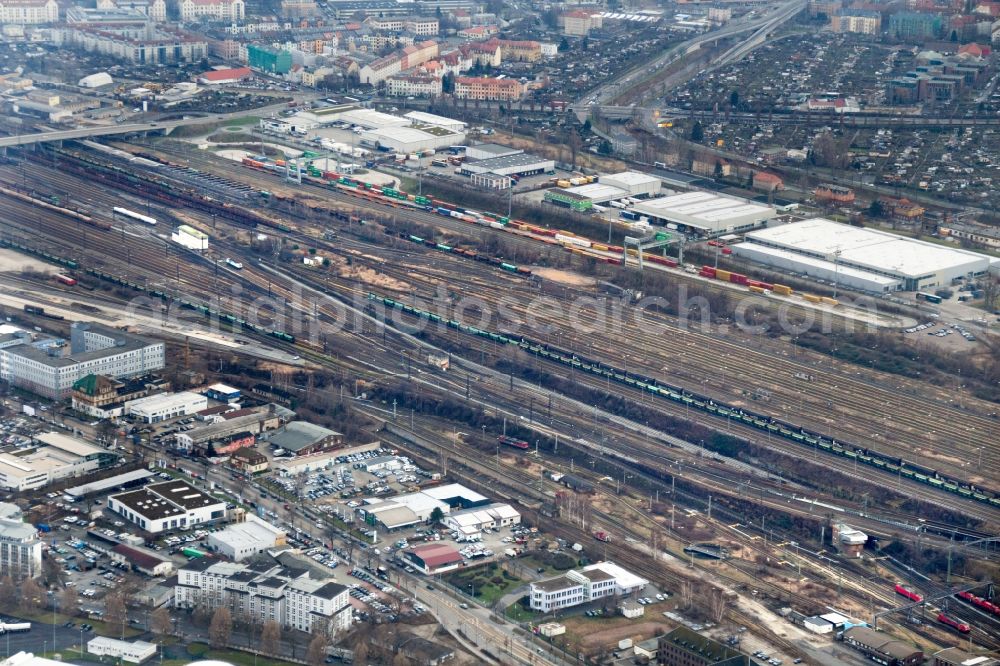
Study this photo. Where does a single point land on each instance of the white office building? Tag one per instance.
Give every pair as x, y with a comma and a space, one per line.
265, 592
473, 521
156, 408
133, 653
165, 506
20, 550
49, 369
595, 581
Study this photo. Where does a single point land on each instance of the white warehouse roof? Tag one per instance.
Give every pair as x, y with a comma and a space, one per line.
598, 192
816, 268
372, 119
706, 211
633, 181
870, 248
432, 119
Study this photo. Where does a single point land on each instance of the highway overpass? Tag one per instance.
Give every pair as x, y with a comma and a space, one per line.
163, 126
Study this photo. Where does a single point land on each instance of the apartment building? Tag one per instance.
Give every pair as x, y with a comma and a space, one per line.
519, 51
265, 592
418, 54
20, 550
859, 21
379, 70
487, 88
222, 10
28, 12
422, 27
413, 86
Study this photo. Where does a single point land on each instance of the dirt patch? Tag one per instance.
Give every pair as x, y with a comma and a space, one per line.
11, 261
564, 277
368, 276
625, 628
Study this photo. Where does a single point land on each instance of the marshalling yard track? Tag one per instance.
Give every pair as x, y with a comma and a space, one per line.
904, 423
888, 414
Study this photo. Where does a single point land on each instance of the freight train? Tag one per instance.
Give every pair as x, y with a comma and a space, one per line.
236, 322
471, 254
693, 400
566, 239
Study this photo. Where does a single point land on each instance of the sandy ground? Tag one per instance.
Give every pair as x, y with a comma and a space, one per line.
565, 277
238, 154
15, 262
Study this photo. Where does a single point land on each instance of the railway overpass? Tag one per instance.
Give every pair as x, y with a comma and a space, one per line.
803, 117
760, 26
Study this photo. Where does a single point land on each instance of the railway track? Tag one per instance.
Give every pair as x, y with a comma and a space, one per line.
495, 294
873, 420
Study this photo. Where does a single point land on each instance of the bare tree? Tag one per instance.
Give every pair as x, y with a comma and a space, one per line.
718, 604
116, 610
361, 652
316, 654
687, 594
270, 637
68, 600
221, 627
32, 596
160, 622
991, 292
8, 594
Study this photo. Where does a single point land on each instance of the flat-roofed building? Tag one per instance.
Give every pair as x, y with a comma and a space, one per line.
635, 183
815, 246
54, 456
51, 370
245, 539
20, 550
424, 118
705, 213
165, 506
156, 408
595, 581
266, 592
134, 652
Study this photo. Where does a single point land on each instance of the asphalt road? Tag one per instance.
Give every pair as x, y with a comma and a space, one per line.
42, 638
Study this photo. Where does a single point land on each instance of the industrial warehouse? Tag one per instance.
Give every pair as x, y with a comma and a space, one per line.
704, 213
864, 259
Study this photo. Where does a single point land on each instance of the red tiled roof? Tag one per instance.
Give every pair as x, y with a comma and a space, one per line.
227, 74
